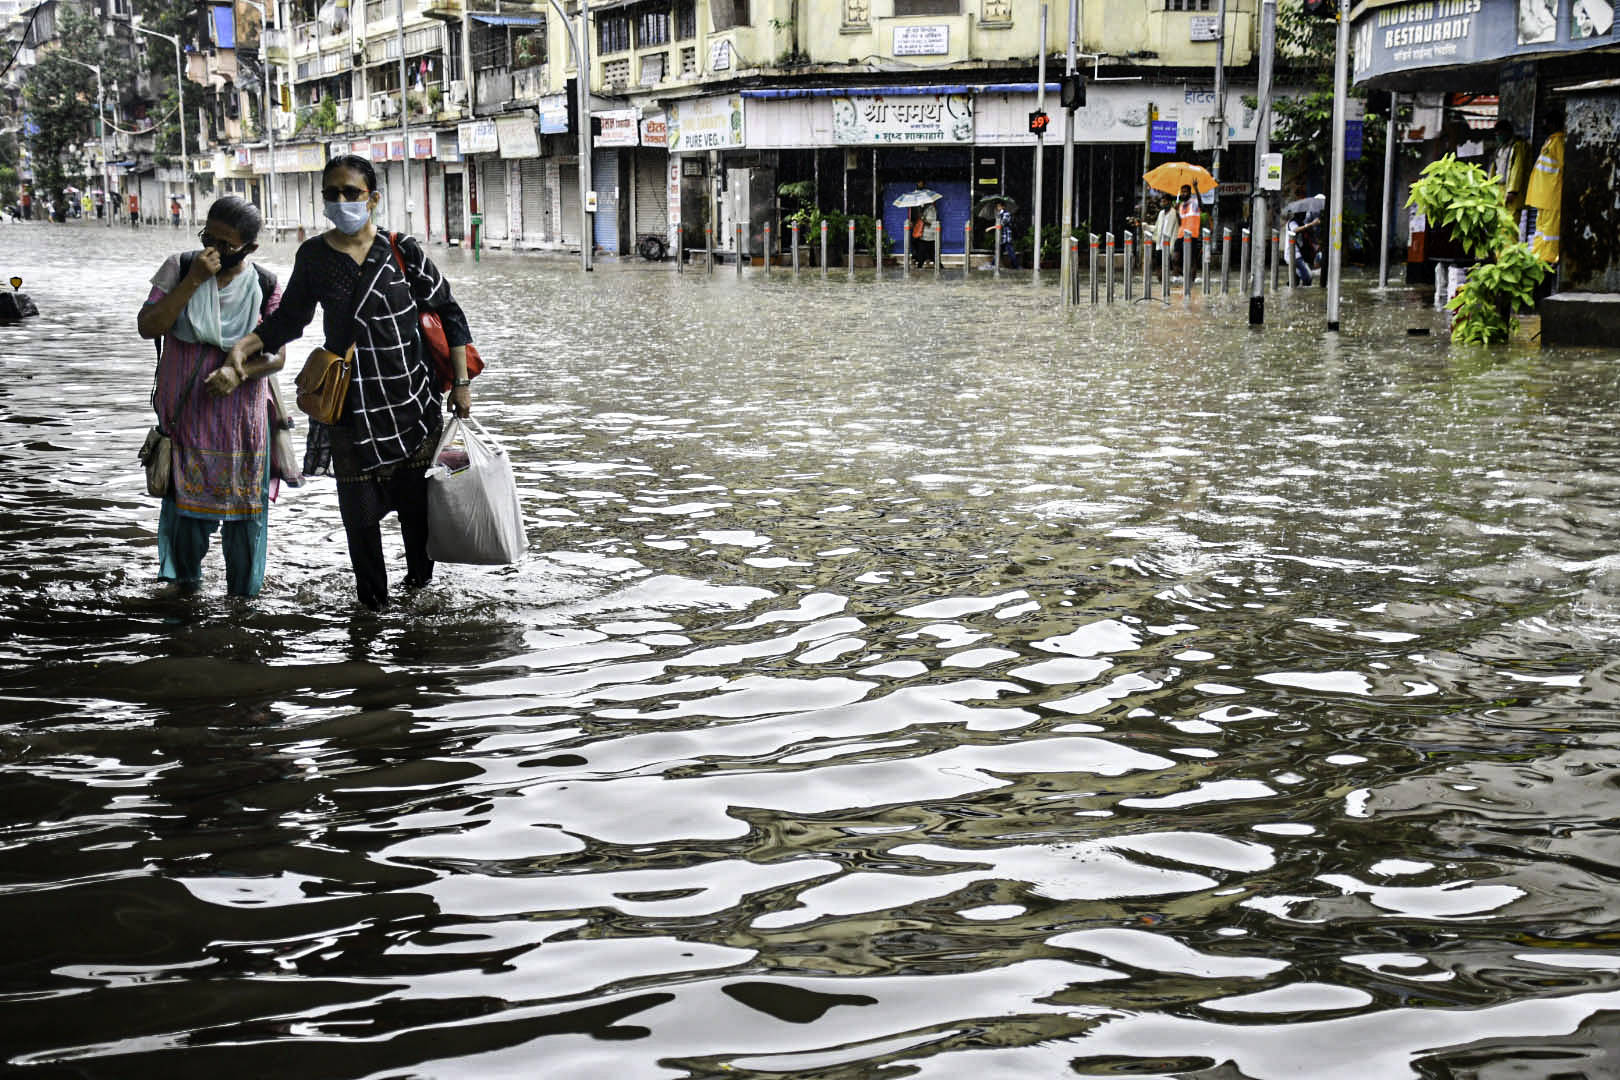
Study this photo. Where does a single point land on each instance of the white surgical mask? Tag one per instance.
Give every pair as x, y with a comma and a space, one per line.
349, 217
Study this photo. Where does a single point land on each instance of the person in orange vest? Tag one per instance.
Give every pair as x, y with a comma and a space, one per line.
134, 210
1190, 213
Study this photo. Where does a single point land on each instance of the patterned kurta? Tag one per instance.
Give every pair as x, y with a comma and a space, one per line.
220, 444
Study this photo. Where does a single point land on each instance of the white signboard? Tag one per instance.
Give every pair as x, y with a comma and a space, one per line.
922, 40
1271, 172
619, 127
902, 119
1203, 28
478, 137
704, 124
518, 136
720, 55
654, 130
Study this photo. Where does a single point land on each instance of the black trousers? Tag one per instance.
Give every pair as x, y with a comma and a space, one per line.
363, 504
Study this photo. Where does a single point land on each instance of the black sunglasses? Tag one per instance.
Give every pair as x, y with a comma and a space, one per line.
209, 240
344, 194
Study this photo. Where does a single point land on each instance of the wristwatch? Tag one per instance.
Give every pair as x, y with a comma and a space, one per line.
461, 382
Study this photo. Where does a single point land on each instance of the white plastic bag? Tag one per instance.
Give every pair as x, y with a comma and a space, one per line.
473, 512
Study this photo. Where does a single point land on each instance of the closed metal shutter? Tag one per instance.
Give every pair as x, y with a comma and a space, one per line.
652, 194
536, 224
569, 176
492, 198
605, 178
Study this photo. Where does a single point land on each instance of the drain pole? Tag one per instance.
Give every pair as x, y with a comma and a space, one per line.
1262, 146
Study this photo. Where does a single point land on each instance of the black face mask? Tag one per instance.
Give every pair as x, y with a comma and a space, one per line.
227, 262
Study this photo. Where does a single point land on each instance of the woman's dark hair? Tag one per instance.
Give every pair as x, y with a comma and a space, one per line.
239, 214
358, 164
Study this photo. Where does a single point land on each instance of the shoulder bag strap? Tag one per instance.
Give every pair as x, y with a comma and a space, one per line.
185, 395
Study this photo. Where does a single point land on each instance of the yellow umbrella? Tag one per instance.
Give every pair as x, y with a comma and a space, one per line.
1172, 176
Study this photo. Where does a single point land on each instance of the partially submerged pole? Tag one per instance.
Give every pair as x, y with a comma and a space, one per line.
1341, 91
1262, 146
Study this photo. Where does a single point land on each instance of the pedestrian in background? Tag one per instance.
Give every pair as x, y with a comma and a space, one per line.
1164, 228
1009, 252
214, 408
1190, 220
386, 436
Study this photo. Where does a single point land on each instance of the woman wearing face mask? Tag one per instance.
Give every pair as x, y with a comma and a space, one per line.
214, 405
382, 444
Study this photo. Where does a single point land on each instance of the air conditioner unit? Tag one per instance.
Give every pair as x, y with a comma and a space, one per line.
458, 91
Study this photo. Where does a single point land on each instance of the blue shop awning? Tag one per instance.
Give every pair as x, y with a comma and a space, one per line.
506, 20
897, 91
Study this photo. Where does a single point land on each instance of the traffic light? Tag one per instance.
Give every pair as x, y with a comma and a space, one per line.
1038, 122
1072, 91
1322, 9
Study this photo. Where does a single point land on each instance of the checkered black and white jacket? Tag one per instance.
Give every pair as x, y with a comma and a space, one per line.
393, 404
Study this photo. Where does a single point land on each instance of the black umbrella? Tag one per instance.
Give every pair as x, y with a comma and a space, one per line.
988, 206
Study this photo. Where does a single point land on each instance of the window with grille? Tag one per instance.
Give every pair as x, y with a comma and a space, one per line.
616, 71
529, 46
927, 7
685, 20
1189, 5
612, 34
689, 60
652, 28
728, 13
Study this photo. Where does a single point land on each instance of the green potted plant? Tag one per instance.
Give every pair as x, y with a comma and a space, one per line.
1503, 279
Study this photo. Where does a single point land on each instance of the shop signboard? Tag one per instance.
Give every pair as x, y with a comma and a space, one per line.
518, 136
478, 137
714, 123
902, 119
449, 146
422, 146
377, 150
1393, 39
1353, 132
554, 114
932, 40
1162, 137
654, 130
311, 158
1203, 27
618, 127
396, 148
337, 149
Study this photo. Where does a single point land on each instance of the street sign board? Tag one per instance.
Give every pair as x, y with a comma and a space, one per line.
1162, 137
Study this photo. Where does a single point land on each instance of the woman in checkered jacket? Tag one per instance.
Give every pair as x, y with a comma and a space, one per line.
379, 449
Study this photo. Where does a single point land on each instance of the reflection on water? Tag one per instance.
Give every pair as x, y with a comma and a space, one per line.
904, 675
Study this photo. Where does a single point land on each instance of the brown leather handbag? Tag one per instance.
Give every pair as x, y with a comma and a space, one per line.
324, 383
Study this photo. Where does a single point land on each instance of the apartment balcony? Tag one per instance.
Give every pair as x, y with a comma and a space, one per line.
276, 45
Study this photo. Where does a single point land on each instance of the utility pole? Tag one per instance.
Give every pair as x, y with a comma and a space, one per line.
106, 158
1262, 145
587, 238
268, 117
1040, 145
1065, 257
1389, 193
180, 107
404, 112
1341, 81
1220, 116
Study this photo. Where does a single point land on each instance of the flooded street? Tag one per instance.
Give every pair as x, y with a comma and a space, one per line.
907, 679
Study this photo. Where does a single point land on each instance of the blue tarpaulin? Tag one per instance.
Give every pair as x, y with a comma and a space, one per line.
224, 27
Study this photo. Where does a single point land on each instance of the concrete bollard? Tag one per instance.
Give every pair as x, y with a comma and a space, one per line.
1147, 266
1276, 261
1186, 267
708, 250
767, 249
967, 249
905, 254
1203, 263
852, 251
1165, 259
1108, 268
1226, 259
995, 256
795, 249
1288, 258
1245, 263
1130, 252
824, 248
738, 244
1074, 269
877, 250
1093, 271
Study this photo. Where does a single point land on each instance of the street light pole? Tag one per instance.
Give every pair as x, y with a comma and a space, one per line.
1066, 267
268, 117
1341, 80
180, 107
1259, 216
106, 158
1040, 144
404, 113
580, 47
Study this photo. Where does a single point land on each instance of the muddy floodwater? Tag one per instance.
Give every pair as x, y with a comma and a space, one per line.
906, 679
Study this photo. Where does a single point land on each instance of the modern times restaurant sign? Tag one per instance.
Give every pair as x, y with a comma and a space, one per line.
1392, 37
